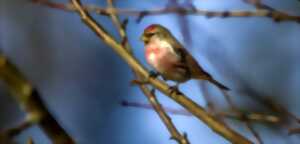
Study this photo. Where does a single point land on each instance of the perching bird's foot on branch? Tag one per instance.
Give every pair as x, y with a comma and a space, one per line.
152, 74
174, 90
169, 57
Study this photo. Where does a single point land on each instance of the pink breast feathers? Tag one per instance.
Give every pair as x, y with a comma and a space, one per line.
152, 54
160, 58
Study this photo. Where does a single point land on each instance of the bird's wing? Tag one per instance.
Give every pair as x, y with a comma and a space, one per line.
192, 66
189, 61
198, 73
195, 69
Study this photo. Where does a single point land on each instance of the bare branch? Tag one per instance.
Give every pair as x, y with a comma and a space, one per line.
258, 5
117, 22
249, 116
181, 139
209, 103
294, 131
182, 19
277, 16
12, 132
30, 141
276, 107
29, 99
254, 132
187, 103
243, 118
147, 106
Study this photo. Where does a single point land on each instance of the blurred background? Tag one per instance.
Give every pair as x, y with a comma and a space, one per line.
83, 81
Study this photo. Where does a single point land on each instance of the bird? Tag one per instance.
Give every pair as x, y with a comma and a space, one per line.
168, 57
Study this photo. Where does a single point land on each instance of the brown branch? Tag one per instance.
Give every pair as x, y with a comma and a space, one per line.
254, 132
30, 101
243, 118
250, 116
267, 102
276, 107
275, 15
30, 141
259, 5
4, 139
147, 106
294, 131
12, 132
182, 19
116, 21
187, 103
181, 139
210, 104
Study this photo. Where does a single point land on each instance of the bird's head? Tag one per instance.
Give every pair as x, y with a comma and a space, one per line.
153, 30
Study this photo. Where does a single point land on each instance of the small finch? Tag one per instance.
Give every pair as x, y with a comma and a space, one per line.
170, 59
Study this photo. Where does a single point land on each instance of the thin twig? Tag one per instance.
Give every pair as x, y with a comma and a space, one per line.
30, 141
253, 117
187, 103
169, 110
210, 104
250, 116
277, 16
271, 104
294, 131
117, 23
182, 19
253, 131
243, 117
12, 132
259, 5
181, 139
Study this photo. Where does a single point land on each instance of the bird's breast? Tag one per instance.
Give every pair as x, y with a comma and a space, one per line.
161, 57
152, 55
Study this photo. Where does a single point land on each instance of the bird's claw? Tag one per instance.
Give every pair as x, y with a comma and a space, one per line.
152, 74
174, 89
152, 91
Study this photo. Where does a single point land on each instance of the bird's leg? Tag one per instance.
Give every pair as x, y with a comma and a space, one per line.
152, 74
174, 89
152, 91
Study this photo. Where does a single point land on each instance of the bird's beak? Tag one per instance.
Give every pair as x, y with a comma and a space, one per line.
144, 39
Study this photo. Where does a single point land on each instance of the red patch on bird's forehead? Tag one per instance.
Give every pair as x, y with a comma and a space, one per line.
151, 28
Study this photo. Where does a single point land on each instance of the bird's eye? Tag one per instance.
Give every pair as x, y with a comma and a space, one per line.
150, 34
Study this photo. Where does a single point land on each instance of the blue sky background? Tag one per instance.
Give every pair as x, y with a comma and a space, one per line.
83, 81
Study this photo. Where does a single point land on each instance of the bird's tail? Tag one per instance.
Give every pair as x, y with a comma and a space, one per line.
212, 80
219, 85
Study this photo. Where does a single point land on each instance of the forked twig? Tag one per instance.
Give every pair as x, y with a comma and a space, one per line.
181, 139
30, 101
187, 103
277, 16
